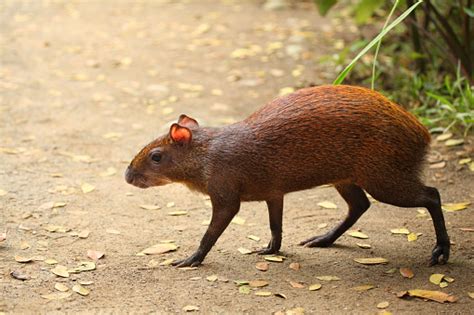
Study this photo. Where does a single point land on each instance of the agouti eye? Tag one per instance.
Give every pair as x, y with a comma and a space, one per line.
156, 157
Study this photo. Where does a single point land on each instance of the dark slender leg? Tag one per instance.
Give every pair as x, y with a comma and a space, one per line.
275, 213
358, 204
222, 214
440, 253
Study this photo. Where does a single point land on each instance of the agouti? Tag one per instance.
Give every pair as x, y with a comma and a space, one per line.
351, 137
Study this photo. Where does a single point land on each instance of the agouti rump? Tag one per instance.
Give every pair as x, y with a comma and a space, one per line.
351, 137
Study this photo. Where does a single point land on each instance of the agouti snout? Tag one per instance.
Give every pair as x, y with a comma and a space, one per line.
351, 137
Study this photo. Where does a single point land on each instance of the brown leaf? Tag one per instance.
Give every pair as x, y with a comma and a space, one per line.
295, 266
94, 255
22, 259
437, 296
362, 288
160, 249
258, 283
262, 266
407, 273
296, 285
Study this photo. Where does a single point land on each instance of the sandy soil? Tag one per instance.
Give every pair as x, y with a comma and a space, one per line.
85, 84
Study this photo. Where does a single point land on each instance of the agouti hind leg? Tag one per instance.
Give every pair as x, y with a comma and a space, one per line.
358, 204
275, 214
409, 194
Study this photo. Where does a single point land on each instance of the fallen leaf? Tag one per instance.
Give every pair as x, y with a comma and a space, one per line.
80, 290
363, 245
448, 279
362, 288
150, 207
60, 287
3, 236
451, 207
436, 278
454, 142
443, 284
296, 285
371, 261
253, 238
112, 231
191, 308
471, 294
160, 249
467, 229
109, 172
438, 165
412, 237
437, 296
286, 90
86, 282
19, 275
60, 271
212, 278
465, 161
84, 234
238, 220
87, 188
56, 295
275, 258
94, 255
3, 192
83, 266
295, 266
241, 282
263, 293
245, 289
357, 234
281, 295
328, 278
177, 213
262, 266
400, 231
407, 273
258, 283
295, 311
22, 259
383, 304
327, 205
51, 261
444, 136
315, 287
244, 251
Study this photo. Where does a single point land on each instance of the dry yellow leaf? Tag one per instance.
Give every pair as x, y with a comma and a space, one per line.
238, 220
22, 259
286, 91
471, 294
436, 278
412, 237
357, 234
327, 205
60, 271
244, 251
212, 278
60, 287
315, 287
443, 284
328, 278
80, 290
383, 304
112, 231
444, 136
253, 238
87, 188
84, 234
150, 207
453, 142
275, 258
3, 192
437, 296
451, 207
363, 245
371, 261
51, 261
263, 293
109, 172
177, 213
400, 231
258, 283
24, 245
191, 308
56, 295
160, 249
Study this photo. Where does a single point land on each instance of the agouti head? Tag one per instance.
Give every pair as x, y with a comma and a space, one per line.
166, 159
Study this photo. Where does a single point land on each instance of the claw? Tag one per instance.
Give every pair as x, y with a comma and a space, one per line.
265, 251
439, 255
317, 241
192, 261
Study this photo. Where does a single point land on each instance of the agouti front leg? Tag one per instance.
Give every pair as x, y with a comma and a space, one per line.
275, 214
358, 204
223, 210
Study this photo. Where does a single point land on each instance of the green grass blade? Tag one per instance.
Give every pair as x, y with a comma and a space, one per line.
372, 83
374, 41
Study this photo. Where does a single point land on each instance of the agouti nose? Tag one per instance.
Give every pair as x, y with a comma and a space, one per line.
129, 174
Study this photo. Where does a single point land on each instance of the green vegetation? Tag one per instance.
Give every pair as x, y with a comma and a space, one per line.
434, 74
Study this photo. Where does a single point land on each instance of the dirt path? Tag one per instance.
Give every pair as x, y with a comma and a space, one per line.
84, 84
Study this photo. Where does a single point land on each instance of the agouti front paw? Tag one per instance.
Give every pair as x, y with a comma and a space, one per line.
266, 251
192, 261
317, 241
440, 254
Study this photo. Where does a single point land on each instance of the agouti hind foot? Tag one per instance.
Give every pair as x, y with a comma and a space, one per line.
318, 241
440, 254
192, 261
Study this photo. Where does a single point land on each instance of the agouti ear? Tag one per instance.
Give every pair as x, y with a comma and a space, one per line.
180, 134
188, 122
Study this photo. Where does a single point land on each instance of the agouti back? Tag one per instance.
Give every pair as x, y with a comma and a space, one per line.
351, 137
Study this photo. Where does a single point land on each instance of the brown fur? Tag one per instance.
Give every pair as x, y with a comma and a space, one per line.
348, 136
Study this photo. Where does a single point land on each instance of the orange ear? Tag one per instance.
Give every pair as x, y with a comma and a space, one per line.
180, 134
187, 121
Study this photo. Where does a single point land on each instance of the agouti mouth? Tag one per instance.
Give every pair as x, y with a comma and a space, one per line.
135, 179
